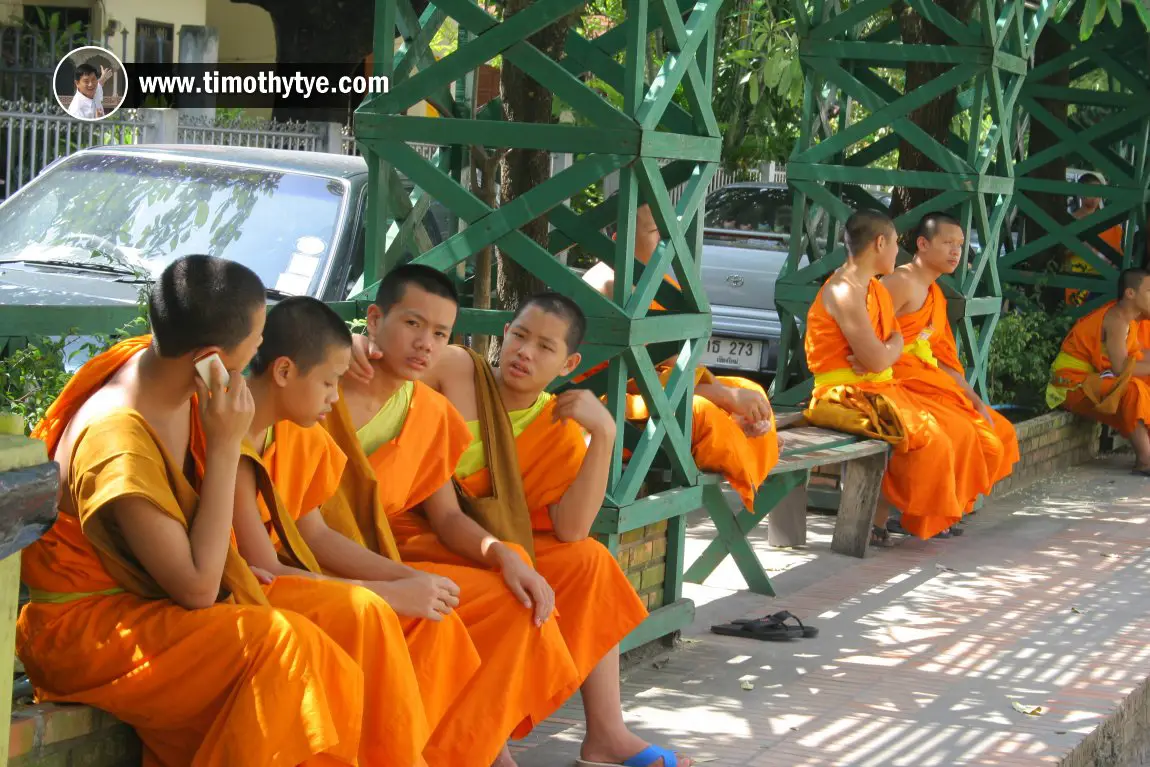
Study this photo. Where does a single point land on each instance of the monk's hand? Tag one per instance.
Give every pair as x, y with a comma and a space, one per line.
857, 366
421, 596
263, 576
585, 409
753, 430
752, 406
529, 587
363, 351
226, 413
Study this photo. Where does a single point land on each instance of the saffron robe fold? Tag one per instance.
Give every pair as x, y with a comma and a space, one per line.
270, 687
305, 466
596, 605
920, 476
524, 669
718, 443
1083, 382
931, 345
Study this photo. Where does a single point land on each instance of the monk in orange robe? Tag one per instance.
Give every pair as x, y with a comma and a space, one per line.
852, 343
140, 604
1089, 205
1103, 369
929, 366
563, 446
305, 351
732, 423
403, 441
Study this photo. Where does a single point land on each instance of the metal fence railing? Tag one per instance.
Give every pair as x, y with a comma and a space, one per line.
36, 135
268, 134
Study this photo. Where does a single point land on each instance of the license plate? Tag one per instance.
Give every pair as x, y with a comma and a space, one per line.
732, 353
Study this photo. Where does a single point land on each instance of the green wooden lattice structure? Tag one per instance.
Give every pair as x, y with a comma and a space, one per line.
983, 173
648, 130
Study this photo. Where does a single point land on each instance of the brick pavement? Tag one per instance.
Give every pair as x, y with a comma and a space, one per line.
1045, 601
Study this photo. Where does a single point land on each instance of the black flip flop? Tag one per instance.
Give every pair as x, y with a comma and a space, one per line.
772, 628
1141, 472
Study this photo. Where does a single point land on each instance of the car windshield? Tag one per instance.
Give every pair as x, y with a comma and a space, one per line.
140, 214
750, 209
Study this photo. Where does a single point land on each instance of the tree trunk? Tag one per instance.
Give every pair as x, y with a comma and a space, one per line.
484, 168
332, 32
934, 118
525, 101
1050, 45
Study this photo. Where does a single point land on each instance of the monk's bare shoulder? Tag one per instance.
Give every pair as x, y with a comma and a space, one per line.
907, 292
1114, 325
454, 378
840, 292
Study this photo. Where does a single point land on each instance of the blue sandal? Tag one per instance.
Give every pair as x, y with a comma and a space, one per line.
645, 758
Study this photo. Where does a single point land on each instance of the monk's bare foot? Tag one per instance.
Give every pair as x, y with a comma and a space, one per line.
619, 748
504, 759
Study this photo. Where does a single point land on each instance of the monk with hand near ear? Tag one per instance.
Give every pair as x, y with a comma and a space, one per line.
140, 604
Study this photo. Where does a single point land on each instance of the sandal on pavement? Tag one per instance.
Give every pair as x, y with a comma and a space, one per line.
772, 628
1142, 471
880, 536
645, 758
800, 631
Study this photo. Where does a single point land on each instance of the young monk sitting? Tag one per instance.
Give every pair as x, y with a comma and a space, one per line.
1103, 369
532, 476
929, 366
403, 441
141, 606
851, 327
732, 423
291, 466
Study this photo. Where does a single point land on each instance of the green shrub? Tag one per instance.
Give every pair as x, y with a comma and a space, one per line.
1025, 343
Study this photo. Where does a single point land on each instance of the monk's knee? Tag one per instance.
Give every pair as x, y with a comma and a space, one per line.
588, 557
270, 634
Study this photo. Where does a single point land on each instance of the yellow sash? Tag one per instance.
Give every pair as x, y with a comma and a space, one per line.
1055, 392
61, 598
921, 349
844, 376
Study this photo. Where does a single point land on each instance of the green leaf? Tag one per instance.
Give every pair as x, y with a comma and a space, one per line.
773, 71
201, 212
1142, 8
1115, 7
753, 88
1089, 20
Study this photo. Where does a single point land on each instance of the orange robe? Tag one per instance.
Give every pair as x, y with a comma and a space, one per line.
596, 605
524, 670
931, 344
926, 472
1083, 356
306, 465
718, 443
269, 687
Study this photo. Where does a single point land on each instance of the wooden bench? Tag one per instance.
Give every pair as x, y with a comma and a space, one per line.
801, 448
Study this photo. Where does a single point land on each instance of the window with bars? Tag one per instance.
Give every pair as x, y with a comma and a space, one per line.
155, 42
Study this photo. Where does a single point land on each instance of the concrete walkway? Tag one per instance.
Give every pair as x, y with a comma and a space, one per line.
923, 649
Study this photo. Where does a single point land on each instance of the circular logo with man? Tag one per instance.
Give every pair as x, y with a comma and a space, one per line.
90, 83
